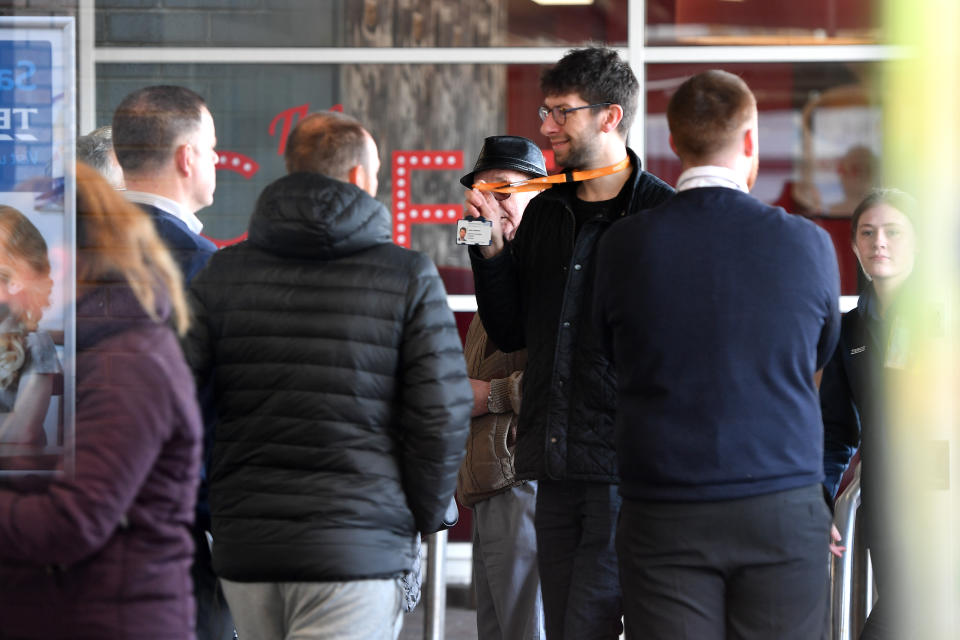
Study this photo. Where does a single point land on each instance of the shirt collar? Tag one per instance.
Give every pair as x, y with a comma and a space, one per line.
172, 207
710, 176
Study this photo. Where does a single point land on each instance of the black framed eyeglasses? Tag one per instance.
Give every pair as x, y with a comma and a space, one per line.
560, 113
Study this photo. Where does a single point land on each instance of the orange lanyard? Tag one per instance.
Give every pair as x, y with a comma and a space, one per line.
539, 184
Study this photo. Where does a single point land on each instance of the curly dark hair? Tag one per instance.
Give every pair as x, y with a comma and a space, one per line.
597, 74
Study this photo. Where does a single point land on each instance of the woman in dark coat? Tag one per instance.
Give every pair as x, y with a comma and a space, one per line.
873, 349
103, 550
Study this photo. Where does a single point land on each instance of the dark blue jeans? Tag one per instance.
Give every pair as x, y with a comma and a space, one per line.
576, 526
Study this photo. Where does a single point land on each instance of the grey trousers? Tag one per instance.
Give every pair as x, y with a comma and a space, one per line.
748, 569
357, 610
509, 606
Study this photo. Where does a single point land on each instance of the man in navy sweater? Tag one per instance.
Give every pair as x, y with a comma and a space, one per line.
718, 310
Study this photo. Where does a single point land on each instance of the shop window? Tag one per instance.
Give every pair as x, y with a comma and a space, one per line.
357, 23
711, 22
446, 110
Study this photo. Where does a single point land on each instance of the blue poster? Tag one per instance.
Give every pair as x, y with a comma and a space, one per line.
37, 275
26, 115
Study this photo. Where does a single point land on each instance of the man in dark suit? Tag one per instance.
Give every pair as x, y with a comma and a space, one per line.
164, 140
717, 310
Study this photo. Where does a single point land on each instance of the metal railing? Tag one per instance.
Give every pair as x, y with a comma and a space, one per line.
851, 576
435, 584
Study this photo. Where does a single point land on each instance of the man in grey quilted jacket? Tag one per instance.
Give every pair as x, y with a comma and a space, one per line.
342, 398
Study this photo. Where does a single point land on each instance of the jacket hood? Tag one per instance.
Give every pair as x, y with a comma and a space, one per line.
308, 215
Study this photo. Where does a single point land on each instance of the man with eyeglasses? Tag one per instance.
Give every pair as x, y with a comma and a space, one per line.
535, 291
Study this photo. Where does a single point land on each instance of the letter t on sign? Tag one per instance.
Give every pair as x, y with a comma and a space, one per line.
407, 213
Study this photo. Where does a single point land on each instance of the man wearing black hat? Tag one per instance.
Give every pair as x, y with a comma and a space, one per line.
505, 575
535, 291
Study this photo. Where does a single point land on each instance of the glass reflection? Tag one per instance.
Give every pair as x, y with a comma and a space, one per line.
360, 23
820, 140
761, 22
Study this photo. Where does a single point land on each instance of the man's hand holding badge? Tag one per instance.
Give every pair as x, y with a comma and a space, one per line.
481, 225
486, 201
498, 192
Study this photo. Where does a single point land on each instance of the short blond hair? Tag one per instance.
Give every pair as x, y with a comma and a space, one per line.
707, 112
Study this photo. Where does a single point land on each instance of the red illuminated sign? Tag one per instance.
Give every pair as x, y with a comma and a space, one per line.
406, 212
233, 161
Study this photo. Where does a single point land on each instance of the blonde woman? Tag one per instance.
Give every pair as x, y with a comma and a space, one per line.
28, 358
106, 552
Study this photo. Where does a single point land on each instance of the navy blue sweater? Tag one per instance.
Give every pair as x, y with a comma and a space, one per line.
717, 310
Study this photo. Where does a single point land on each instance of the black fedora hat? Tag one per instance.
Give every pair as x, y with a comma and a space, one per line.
508, 152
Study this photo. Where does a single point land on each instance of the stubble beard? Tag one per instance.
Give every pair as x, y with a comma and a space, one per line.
580, 153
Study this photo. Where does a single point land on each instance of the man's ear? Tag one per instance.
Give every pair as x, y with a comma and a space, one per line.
183, 159
673, 147
612, 118
749, 143
357, 176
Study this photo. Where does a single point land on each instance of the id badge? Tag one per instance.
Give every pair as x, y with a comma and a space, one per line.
474, 231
